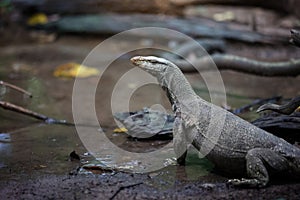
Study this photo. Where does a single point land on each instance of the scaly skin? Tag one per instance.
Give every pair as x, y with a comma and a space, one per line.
240, 148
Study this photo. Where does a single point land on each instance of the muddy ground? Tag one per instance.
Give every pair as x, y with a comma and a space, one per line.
35, 158
133, 186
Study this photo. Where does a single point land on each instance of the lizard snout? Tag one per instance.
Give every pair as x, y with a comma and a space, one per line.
135, 60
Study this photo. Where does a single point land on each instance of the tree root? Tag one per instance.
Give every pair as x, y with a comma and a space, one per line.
285, 109
241, 64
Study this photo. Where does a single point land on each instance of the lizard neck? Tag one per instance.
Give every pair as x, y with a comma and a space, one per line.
178, 86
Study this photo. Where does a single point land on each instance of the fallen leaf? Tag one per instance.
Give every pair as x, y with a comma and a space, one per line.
120, 130
37, 19
72, 70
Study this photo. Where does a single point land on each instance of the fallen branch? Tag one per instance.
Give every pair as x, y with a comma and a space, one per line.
287, 6
198, 28
241, 64
15, 88
255, 103
285, 109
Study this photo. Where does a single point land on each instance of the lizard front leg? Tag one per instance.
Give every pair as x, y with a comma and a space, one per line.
256, 161
179, 141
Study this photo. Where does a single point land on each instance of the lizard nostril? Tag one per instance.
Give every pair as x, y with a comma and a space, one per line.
134, 59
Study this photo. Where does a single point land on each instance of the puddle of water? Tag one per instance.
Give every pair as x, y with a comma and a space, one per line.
38, 149
5, 138
27, 146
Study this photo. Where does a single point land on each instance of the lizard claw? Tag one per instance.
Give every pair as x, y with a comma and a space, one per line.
234, 181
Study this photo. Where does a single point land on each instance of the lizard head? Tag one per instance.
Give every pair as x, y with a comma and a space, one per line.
151, 64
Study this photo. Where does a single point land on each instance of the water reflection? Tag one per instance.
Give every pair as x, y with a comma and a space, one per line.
5, 148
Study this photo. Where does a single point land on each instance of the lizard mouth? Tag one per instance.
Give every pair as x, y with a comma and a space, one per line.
135, 60
147, 63
138, 60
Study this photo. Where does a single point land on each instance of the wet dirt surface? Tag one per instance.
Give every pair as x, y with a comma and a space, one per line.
34, 157
133, 186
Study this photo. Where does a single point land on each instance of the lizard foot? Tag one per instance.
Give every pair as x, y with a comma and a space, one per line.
247, 182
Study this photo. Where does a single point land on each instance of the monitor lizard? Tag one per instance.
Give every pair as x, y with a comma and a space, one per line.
241, 148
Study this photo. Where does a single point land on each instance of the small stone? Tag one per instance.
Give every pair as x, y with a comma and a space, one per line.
208, 185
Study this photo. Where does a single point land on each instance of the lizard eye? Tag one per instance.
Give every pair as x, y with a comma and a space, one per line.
155, 62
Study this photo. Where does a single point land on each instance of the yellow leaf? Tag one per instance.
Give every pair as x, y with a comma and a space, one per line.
37, 19
72, 70
120, 130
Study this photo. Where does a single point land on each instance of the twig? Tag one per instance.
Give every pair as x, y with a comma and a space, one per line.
16, 88
241, 64
44, 118
19, 109
24, 111
122, 188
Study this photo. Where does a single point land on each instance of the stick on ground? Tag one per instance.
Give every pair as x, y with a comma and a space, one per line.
30, 113
16, 88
